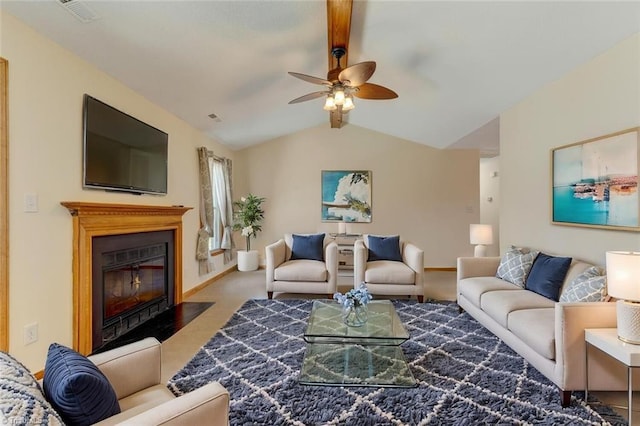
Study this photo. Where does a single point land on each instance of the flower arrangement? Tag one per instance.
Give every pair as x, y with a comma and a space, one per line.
248, 217
354, 297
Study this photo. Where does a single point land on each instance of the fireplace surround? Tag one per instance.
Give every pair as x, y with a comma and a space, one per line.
96, 220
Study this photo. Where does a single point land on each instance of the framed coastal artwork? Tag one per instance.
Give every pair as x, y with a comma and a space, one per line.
595, 182
346, 196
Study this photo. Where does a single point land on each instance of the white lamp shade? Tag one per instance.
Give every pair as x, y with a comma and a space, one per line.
348, 104
342, 228
480, 234
623, 275
329, 104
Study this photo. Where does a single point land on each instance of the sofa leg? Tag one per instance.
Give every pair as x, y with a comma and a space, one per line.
460, 310
420, 299
269, 295
565, 398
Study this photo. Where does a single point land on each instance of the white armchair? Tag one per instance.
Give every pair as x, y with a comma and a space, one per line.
387, 277
301, 275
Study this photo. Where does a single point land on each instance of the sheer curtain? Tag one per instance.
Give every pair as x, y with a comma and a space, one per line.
222, 198
203, 254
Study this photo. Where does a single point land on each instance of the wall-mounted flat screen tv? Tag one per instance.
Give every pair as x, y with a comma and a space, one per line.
121, 153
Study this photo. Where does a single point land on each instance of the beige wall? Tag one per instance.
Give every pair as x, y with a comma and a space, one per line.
490, 200
426, 195
599, 97
46, 86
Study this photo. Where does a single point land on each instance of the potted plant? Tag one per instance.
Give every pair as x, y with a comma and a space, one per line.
248, 219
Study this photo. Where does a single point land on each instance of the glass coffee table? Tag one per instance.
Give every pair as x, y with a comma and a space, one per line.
370, 355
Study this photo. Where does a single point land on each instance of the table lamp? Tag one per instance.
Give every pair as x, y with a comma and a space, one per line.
623, 283
480, 235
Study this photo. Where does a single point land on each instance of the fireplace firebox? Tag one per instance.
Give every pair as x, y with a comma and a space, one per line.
132, 279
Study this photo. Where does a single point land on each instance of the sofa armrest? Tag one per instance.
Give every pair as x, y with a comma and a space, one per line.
208, 404
477, 267
275, 254
133, 367
571, 319
360, 254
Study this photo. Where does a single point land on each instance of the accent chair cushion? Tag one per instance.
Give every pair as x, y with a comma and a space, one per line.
76, 388
515, 264
389, 272
589, 286
309, 247
547, 275
301, 270
21, 398
384, 248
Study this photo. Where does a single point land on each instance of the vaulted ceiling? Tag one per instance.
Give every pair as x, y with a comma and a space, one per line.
455, 65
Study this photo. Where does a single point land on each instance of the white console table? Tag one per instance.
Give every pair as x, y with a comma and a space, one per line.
606, 339
345, 252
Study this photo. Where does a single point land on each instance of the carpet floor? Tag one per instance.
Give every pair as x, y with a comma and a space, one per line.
465, 375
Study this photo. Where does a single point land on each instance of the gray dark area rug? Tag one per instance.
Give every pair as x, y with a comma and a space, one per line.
466, 375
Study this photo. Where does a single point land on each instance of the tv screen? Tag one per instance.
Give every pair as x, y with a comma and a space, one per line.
121, 153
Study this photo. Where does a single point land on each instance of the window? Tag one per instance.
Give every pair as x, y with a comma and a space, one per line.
219, 196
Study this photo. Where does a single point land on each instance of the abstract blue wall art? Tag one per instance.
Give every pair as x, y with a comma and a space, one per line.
595, 182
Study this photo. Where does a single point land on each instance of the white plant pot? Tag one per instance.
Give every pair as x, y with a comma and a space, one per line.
247, 260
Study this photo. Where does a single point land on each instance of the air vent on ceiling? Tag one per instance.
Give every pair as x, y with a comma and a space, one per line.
80, 10
215, 118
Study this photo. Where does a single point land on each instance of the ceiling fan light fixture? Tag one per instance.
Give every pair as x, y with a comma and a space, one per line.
329, 104
348, 104
338, 96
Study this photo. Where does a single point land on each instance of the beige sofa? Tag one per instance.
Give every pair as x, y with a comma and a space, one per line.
301, 275
386, 277
548, 334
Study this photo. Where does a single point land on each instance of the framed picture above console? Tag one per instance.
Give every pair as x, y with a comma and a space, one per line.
595, 182
346, 196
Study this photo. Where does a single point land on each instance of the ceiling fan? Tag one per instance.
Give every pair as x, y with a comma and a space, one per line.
342, 84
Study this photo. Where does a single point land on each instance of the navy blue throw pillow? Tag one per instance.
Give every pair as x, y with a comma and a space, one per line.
547, 275
308, 247
76, 388
384, 248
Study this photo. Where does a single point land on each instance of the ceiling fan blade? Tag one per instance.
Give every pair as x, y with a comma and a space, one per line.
356, 75
373, 91
335, 118
311, 79
309, 96
338, 28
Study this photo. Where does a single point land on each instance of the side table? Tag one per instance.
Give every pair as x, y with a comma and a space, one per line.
606, 340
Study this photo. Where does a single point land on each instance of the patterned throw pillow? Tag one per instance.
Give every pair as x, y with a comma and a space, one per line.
589, 286
21, 399
515, 265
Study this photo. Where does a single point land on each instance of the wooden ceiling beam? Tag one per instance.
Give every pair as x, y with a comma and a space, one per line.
338, 29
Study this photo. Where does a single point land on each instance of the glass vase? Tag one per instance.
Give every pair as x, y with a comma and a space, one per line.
355, 316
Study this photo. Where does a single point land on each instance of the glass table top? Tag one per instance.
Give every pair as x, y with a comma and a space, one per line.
369, 355
382, 328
